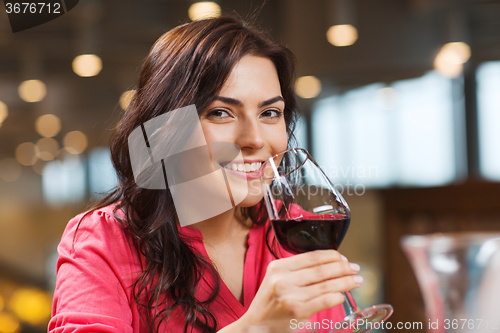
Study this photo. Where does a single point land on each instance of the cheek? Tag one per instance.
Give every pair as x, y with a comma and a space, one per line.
279, 141
212, 134
206, 132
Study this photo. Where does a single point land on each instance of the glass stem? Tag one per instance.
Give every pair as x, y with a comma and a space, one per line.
349, 304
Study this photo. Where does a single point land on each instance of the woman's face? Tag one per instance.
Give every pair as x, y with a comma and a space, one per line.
248, 112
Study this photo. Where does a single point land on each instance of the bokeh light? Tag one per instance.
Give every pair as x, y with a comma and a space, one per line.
87, 65
4, 111
446, 66
38, 166
48, 125
10, 169
27, 153
307, 86
47, 149
342, 35
125, 98
32, 91
450, 59
75, 142
203, 10
31, 305
457, 52
9, 323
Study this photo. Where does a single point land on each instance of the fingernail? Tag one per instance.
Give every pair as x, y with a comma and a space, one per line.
358, 279
343, 257
354, 267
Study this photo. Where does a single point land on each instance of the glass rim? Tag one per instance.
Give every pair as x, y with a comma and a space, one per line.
309, 157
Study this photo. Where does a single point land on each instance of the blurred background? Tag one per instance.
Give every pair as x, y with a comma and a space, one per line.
400, 103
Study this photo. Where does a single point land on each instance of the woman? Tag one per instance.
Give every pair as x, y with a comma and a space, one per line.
129, 266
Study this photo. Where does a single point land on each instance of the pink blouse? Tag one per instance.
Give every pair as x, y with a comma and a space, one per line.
96, 273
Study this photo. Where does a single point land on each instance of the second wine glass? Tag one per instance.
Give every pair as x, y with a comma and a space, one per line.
307, 213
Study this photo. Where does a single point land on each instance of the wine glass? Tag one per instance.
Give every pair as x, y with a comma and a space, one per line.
307, 213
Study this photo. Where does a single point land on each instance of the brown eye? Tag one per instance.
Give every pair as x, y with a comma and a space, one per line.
272, 114
218, 114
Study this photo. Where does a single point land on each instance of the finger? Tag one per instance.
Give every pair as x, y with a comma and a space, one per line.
339, 285
312, 275
324, 301
313, 258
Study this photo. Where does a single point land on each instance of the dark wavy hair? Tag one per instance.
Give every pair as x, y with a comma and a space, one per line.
187, 65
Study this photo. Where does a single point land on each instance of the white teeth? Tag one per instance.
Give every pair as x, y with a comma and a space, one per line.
246, 167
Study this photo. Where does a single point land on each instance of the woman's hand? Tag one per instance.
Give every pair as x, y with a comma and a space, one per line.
300, 286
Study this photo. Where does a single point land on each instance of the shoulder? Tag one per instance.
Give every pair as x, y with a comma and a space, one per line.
96, 246
96, 269
97, 230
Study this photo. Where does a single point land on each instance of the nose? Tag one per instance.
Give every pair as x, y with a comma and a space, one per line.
249, 135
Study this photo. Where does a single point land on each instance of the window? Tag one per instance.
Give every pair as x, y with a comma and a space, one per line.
488, 103
63, 182
378, 136
102, 175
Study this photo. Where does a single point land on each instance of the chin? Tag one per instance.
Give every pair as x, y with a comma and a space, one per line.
249, 201
253, 196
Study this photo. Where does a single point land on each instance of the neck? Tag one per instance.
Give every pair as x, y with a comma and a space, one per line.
224, 227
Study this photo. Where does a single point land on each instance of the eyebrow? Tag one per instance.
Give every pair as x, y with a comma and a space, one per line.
236, 102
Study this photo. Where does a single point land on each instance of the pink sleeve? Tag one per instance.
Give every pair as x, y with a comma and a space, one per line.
94, 278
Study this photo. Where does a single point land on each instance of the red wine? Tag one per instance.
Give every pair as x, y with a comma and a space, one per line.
297, 236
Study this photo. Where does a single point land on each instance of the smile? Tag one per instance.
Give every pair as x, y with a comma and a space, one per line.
244, 170
244, 167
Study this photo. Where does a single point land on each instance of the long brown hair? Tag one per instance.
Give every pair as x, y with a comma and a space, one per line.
187, 65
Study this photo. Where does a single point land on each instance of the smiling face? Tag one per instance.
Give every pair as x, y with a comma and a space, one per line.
248, 111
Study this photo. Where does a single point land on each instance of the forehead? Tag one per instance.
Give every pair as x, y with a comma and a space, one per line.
251, 73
